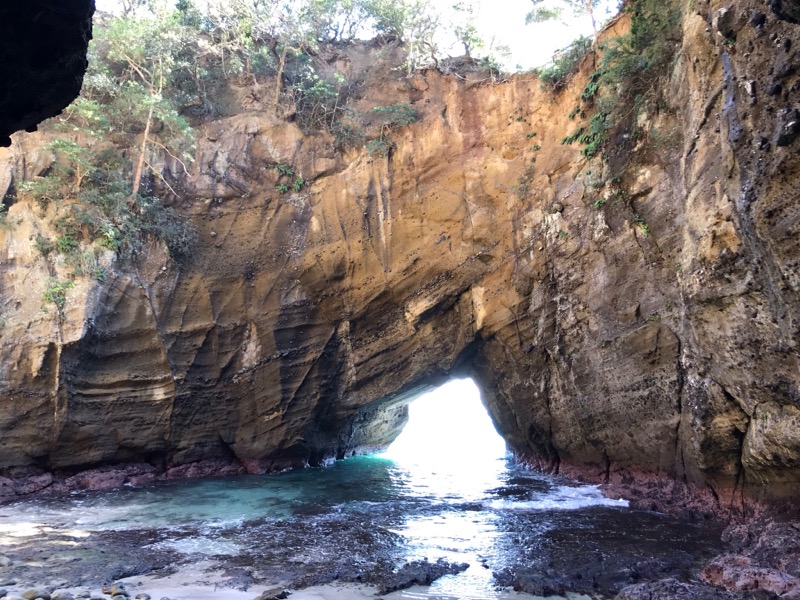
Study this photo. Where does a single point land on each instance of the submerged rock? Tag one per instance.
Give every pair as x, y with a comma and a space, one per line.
418, 572
277, 593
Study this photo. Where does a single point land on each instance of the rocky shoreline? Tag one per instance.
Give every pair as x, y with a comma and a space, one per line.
760, 558
209, 579
123, 591
642, 489
22, 483
762, 561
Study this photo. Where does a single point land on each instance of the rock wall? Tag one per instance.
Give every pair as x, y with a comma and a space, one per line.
654, 336
43, 49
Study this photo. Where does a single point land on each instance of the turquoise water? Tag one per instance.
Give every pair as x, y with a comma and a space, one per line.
361, 482
300, 525
445, 491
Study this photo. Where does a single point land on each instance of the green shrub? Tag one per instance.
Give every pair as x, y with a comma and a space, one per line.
56, 293
91, 190
347, 136
66, 244
592, 137
316, 102
642, 225
379, 147
395, 115
165, 224
44, 245
283, 169
523, 185
296, 182
565, 63
634, 62
389, 118
628, 78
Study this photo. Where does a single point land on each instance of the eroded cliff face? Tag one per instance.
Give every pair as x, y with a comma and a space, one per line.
611, 338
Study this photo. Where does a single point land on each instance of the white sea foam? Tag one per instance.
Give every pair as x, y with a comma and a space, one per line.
560, 498
202, 545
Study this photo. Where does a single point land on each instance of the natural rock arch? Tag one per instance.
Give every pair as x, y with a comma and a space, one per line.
602, 347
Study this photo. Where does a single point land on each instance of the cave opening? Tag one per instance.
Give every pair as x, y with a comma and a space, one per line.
449, 427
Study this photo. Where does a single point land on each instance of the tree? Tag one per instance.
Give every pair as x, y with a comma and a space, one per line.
420, 34
547, 10
336, 20
389, 17
134, 87
145, 56
464, 27
130, 7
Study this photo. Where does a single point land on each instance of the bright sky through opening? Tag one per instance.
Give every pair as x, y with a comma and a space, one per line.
449, 425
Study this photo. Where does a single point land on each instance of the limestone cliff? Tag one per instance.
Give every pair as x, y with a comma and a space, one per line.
655, 335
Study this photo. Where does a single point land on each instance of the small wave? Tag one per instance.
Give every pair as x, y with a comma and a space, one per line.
201, 545
560, 498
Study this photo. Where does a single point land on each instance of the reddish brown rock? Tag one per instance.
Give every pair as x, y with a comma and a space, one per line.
30, 485
742, 574
205, 468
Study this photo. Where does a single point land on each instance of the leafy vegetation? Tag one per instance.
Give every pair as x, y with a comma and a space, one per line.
548, 10
389, 118
288, 180
394, 115
627, 81
111, 148
523, 185
565, 63
593, 136
56, 293
94, 205
644, 228
157, 69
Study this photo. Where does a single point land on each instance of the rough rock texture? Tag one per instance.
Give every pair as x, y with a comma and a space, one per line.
671, 589
43, 48
742, 574
764, 558
303, 323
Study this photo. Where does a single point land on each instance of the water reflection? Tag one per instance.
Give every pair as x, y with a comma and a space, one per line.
437, 494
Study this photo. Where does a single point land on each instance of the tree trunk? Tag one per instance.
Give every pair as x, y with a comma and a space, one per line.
590, 11
279, 79
137, 178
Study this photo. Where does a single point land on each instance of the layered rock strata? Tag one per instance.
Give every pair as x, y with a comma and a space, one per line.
619, 330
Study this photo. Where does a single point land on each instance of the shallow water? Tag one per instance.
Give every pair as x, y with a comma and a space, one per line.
513, 526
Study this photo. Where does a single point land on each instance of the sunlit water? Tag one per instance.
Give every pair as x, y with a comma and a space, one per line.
462, 502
